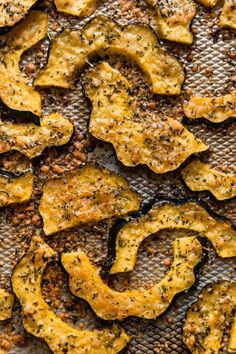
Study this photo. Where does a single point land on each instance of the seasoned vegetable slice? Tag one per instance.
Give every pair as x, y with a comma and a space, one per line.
199, 176
79, 8
160, 144
172, 215
207, 318
109, 304
214, 109
41, 321
14, 91
16, 190
30, 139
6, 304
104, 36
86, 195
12, 11
228, 14
173, 19
208, 3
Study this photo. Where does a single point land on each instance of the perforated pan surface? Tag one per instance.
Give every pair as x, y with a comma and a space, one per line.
208, 70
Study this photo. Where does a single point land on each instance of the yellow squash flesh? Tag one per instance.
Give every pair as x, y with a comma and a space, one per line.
167, 215
173, 18
81, 8
207, 319
70, 50
109, 304
228, 14
14, 91
12, 11
39, 320
199, 176
6, 305
16, 190
215, 109
30, 139
162, 145
86, 195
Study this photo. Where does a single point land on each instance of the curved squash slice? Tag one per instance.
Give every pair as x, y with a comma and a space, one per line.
30, 139
172, 215
12, 11
228, 14
71, 49
6, 305
208, 3
199, 176
160, 144
41, 321
14, 91
207, 319
16, 190
81, 8
87, 195
173, 19
109, 304
214, 109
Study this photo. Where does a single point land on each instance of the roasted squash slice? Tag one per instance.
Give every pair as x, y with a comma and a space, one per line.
109, 304
81, 8
86, 195
30, 139
19, 97
12, 11
172, 214
214, 109
71, 49
162, 145
208, 3
207, 319
199, 177
16, 190
39, 320
228, 14
6, 305
173, 19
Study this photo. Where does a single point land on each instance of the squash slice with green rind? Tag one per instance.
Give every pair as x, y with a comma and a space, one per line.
87, 195
39, 320
161, 144
199, 176
172, 19
30, 139
214, 109
15, 93
109, 304
173, 214
70, 51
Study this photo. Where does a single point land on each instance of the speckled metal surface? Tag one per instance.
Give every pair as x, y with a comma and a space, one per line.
209, 50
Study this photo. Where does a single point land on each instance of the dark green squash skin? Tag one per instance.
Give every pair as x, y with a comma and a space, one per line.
193, 122
206, 191
23, 116
145, 208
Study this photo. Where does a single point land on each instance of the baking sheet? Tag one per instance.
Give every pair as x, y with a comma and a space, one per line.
209, 53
